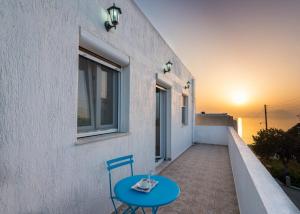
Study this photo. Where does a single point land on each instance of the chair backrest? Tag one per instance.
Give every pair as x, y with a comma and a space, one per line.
116, 163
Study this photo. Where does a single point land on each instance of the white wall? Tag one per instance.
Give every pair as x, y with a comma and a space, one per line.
211, 135
256, 189
41, 168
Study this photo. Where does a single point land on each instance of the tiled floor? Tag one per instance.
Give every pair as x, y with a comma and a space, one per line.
204, 175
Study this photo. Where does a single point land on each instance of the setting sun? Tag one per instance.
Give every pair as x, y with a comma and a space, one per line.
239, 98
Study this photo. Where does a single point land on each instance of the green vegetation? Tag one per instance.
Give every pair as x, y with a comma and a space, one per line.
279, 152
277, 169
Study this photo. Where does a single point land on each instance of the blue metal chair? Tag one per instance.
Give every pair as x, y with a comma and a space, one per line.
113, 164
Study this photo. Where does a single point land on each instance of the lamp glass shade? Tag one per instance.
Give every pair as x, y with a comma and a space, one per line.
114, 13
169, 66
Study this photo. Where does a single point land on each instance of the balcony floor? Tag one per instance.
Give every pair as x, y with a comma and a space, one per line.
205, 178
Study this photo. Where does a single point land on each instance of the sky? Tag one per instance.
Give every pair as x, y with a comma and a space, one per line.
243, 54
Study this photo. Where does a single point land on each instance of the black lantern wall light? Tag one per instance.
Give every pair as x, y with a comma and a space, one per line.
188, 84
168, 67
114, 13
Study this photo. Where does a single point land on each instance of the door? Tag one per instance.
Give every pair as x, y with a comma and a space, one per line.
160, 124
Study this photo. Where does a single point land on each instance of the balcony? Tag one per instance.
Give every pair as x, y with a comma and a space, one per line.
205, 177
225, 178
256, 190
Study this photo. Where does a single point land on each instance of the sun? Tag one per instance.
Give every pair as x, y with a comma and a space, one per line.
239, 98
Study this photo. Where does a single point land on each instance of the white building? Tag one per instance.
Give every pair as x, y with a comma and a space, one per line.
73, 95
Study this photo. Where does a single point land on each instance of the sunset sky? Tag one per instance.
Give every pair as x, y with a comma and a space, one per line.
243, 54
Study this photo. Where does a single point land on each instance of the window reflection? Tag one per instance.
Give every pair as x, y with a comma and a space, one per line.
84, 111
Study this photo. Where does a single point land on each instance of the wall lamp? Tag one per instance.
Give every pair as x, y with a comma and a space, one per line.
188, 84
168, 67
114, 13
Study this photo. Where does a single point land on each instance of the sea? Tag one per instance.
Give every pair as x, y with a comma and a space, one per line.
250, 126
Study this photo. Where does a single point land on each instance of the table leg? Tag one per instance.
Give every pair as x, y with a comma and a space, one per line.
130, 209
127, 210
154, 210
143, 210
133, 209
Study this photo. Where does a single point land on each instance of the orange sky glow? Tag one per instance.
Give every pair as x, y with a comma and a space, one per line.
247, 47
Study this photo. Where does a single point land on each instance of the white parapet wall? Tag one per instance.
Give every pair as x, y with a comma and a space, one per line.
257, 191
216, 135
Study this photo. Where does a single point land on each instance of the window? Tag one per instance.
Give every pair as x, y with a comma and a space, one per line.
98, 89
184, 113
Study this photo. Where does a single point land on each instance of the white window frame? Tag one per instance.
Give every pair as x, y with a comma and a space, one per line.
107, 131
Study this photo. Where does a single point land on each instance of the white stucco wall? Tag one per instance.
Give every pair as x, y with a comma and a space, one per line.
257, 191
217, 135
41, 168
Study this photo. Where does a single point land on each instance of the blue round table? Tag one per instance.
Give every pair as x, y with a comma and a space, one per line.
165, 192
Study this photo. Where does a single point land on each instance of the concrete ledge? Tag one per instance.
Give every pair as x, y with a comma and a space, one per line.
99, 138
257, 190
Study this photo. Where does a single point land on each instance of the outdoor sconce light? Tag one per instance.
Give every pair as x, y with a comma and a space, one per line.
114, 13
168, 67
188, 84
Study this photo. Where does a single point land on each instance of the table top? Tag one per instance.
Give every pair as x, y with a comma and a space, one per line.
165, 192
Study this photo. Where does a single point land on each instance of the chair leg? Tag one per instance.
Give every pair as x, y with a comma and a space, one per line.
113, 202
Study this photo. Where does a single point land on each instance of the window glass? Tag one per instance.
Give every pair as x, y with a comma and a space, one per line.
184, 111
97, 97
84, 111
104, 85
108, 96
